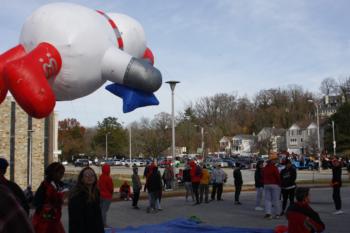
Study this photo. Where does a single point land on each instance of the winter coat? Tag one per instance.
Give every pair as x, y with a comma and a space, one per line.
48, 202
186, 176
125, 188
168, 173
17, 192
303, 219
205, 176
195, 178
237, 175
218, 176
105, 183
271, 175
259, 178
154, 181
288, 177
84, 216
136, 182
13, 218
336, 176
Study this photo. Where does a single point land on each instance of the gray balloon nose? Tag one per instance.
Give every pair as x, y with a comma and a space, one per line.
142, 75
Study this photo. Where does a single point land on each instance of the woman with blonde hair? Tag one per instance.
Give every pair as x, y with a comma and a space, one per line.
84, 204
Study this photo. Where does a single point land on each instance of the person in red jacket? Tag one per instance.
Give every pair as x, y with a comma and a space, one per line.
125, 191
48, 201
196, 174
105, 185
272, 190
301, 217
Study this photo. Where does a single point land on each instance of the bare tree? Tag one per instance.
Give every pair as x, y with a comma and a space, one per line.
344, 88
329, 86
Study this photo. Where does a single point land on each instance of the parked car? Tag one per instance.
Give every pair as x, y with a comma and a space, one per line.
110, 162
306, 164
230, 162
81, 162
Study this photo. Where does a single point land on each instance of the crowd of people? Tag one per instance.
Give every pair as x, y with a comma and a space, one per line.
90, 199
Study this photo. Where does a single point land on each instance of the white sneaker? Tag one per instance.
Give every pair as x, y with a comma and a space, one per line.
258, 208
338, 212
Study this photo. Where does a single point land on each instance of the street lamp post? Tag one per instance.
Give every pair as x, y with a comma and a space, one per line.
130, 143
202, 139
172, 87
334, 142
318, 134
106, 157
202, 136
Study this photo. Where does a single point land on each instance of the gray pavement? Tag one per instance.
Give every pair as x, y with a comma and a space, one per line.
225, 213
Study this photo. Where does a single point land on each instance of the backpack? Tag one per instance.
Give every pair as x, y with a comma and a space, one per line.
198, 171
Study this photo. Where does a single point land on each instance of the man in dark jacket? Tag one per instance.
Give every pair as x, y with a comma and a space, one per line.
259, 184
154, 187
237, 175
301, 217
288, 177
13, 218
336, 183
16, 190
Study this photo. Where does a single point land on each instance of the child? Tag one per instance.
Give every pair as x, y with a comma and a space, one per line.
125, 191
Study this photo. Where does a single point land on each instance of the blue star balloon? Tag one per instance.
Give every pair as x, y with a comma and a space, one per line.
132, 98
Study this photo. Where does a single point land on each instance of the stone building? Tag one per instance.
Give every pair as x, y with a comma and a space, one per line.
23, 137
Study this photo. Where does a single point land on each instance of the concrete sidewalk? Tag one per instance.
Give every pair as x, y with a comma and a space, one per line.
225, 213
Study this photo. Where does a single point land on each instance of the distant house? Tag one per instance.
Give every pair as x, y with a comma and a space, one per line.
330, 104
225, 144
243, 143
275, 136
302, 138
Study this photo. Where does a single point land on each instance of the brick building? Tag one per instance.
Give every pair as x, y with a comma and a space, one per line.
22, 137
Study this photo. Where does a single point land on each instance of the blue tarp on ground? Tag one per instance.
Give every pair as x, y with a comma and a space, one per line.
187, 226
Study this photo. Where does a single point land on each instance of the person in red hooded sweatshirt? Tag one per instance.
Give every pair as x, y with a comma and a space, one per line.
272, 189
105, 184
301, 217
196, 174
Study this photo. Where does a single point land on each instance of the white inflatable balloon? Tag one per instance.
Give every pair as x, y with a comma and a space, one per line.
75, 50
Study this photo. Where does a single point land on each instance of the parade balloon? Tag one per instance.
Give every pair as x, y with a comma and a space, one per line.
67, 51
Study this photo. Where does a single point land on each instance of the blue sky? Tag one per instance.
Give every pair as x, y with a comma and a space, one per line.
215, 46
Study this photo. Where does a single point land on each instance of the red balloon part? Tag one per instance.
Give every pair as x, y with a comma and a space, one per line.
5, 58
149, 55
27, 77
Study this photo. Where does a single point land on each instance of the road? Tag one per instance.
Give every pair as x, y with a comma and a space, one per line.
225, 213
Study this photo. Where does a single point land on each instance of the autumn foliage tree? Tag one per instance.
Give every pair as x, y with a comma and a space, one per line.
70, 138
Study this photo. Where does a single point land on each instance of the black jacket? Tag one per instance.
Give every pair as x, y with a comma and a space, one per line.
237, 175
17, 192
84, 216
288, 177
186, 176
154, 182
336, 176
258, 177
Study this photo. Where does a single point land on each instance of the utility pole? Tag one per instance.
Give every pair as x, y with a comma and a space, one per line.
334, 142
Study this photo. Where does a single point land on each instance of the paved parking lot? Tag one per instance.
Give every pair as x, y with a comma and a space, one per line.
225, 213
